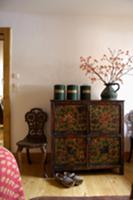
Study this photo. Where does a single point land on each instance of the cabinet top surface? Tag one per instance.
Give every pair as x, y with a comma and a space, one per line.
85, 101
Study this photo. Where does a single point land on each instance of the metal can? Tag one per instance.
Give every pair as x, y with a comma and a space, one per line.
72, 92
85, 92
59, 92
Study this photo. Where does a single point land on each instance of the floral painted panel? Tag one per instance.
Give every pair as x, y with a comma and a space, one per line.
70, 118
104, 118
70, 150
104, 150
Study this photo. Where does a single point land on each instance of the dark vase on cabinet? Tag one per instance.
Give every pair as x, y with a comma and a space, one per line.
87, 135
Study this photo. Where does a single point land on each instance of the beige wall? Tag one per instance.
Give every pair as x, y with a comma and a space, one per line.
46, 51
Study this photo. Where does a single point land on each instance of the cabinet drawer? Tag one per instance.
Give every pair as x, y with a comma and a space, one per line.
104, 150
104, 118
70, 151
70, 118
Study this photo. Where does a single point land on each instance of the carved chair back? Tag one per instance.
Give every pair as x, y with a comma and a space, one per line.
36, 119
129, 123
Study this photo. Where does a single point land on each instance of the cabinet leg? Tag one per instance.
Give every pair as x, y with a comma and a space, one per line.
121, 170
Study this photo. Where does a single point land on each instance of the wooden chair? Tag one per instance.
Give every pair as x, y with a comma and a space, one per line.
36, 138
129, 124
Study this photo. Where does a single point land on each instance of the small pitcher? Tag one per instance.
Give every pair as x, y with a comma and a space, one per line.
110, 91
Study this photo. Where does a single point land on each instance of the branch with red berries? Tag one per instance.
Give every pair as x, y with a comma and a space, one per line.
110, 68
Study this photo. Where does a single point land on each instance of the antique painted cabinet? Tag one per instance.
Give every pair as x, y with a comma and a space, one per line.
87, 135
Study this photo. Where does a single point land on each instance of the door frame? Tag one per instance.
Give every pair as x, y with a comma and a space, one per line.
5, 36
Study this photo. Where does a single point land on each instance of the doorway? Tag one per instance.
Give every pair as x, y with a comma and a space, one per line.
5, 34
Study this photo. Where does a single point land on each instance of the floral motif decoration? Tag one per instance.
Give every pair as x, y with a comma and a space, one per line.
110, 68
70, 118
103, 118
70, 150
104, 149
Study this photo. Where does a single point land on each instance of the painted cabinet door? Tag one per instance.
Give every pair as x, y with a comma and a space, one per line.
104, 118
104, 150
70, 152
70, 136
70, 118
105, 138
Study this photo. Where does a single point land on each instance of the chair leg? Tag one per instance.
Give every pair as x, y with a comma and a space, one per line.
44, 158
28, 156
131, 149
19, 157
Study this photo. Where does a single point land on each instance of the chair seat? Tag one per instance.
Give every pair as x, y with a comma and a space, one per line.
27, 144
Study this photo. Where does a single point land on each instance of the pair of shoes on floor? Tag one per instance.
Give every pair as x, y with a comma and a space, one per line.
68, 179
77, 179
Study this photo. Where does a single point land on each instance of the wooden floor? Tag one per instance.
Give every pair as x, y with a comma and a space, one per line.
94, 183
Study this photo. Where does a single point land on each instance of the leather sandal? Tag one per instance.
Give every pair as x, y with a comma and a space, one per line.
77, 179
64, 180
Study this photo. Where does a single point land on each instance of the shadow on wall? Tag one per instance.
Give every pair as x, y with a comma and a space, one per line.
23, 99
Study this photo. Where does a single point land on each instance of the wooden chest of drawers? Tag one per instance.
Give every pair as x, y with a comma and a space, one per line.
87, 135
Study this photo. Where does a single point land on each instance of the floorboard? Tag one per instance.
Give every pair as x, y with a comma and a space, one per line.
94, 183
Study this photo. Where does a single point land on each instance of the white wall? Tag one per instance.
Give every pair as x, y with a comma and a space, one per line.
46, 51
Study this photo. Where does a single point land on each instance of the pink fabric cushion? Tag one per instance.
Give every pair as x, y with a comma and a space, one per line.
10, 179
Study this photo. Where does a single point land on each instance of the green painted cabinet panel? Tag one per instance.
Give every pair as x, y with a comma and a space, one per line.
103, 118
104, 149
87, 135
70, 152
70, 118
